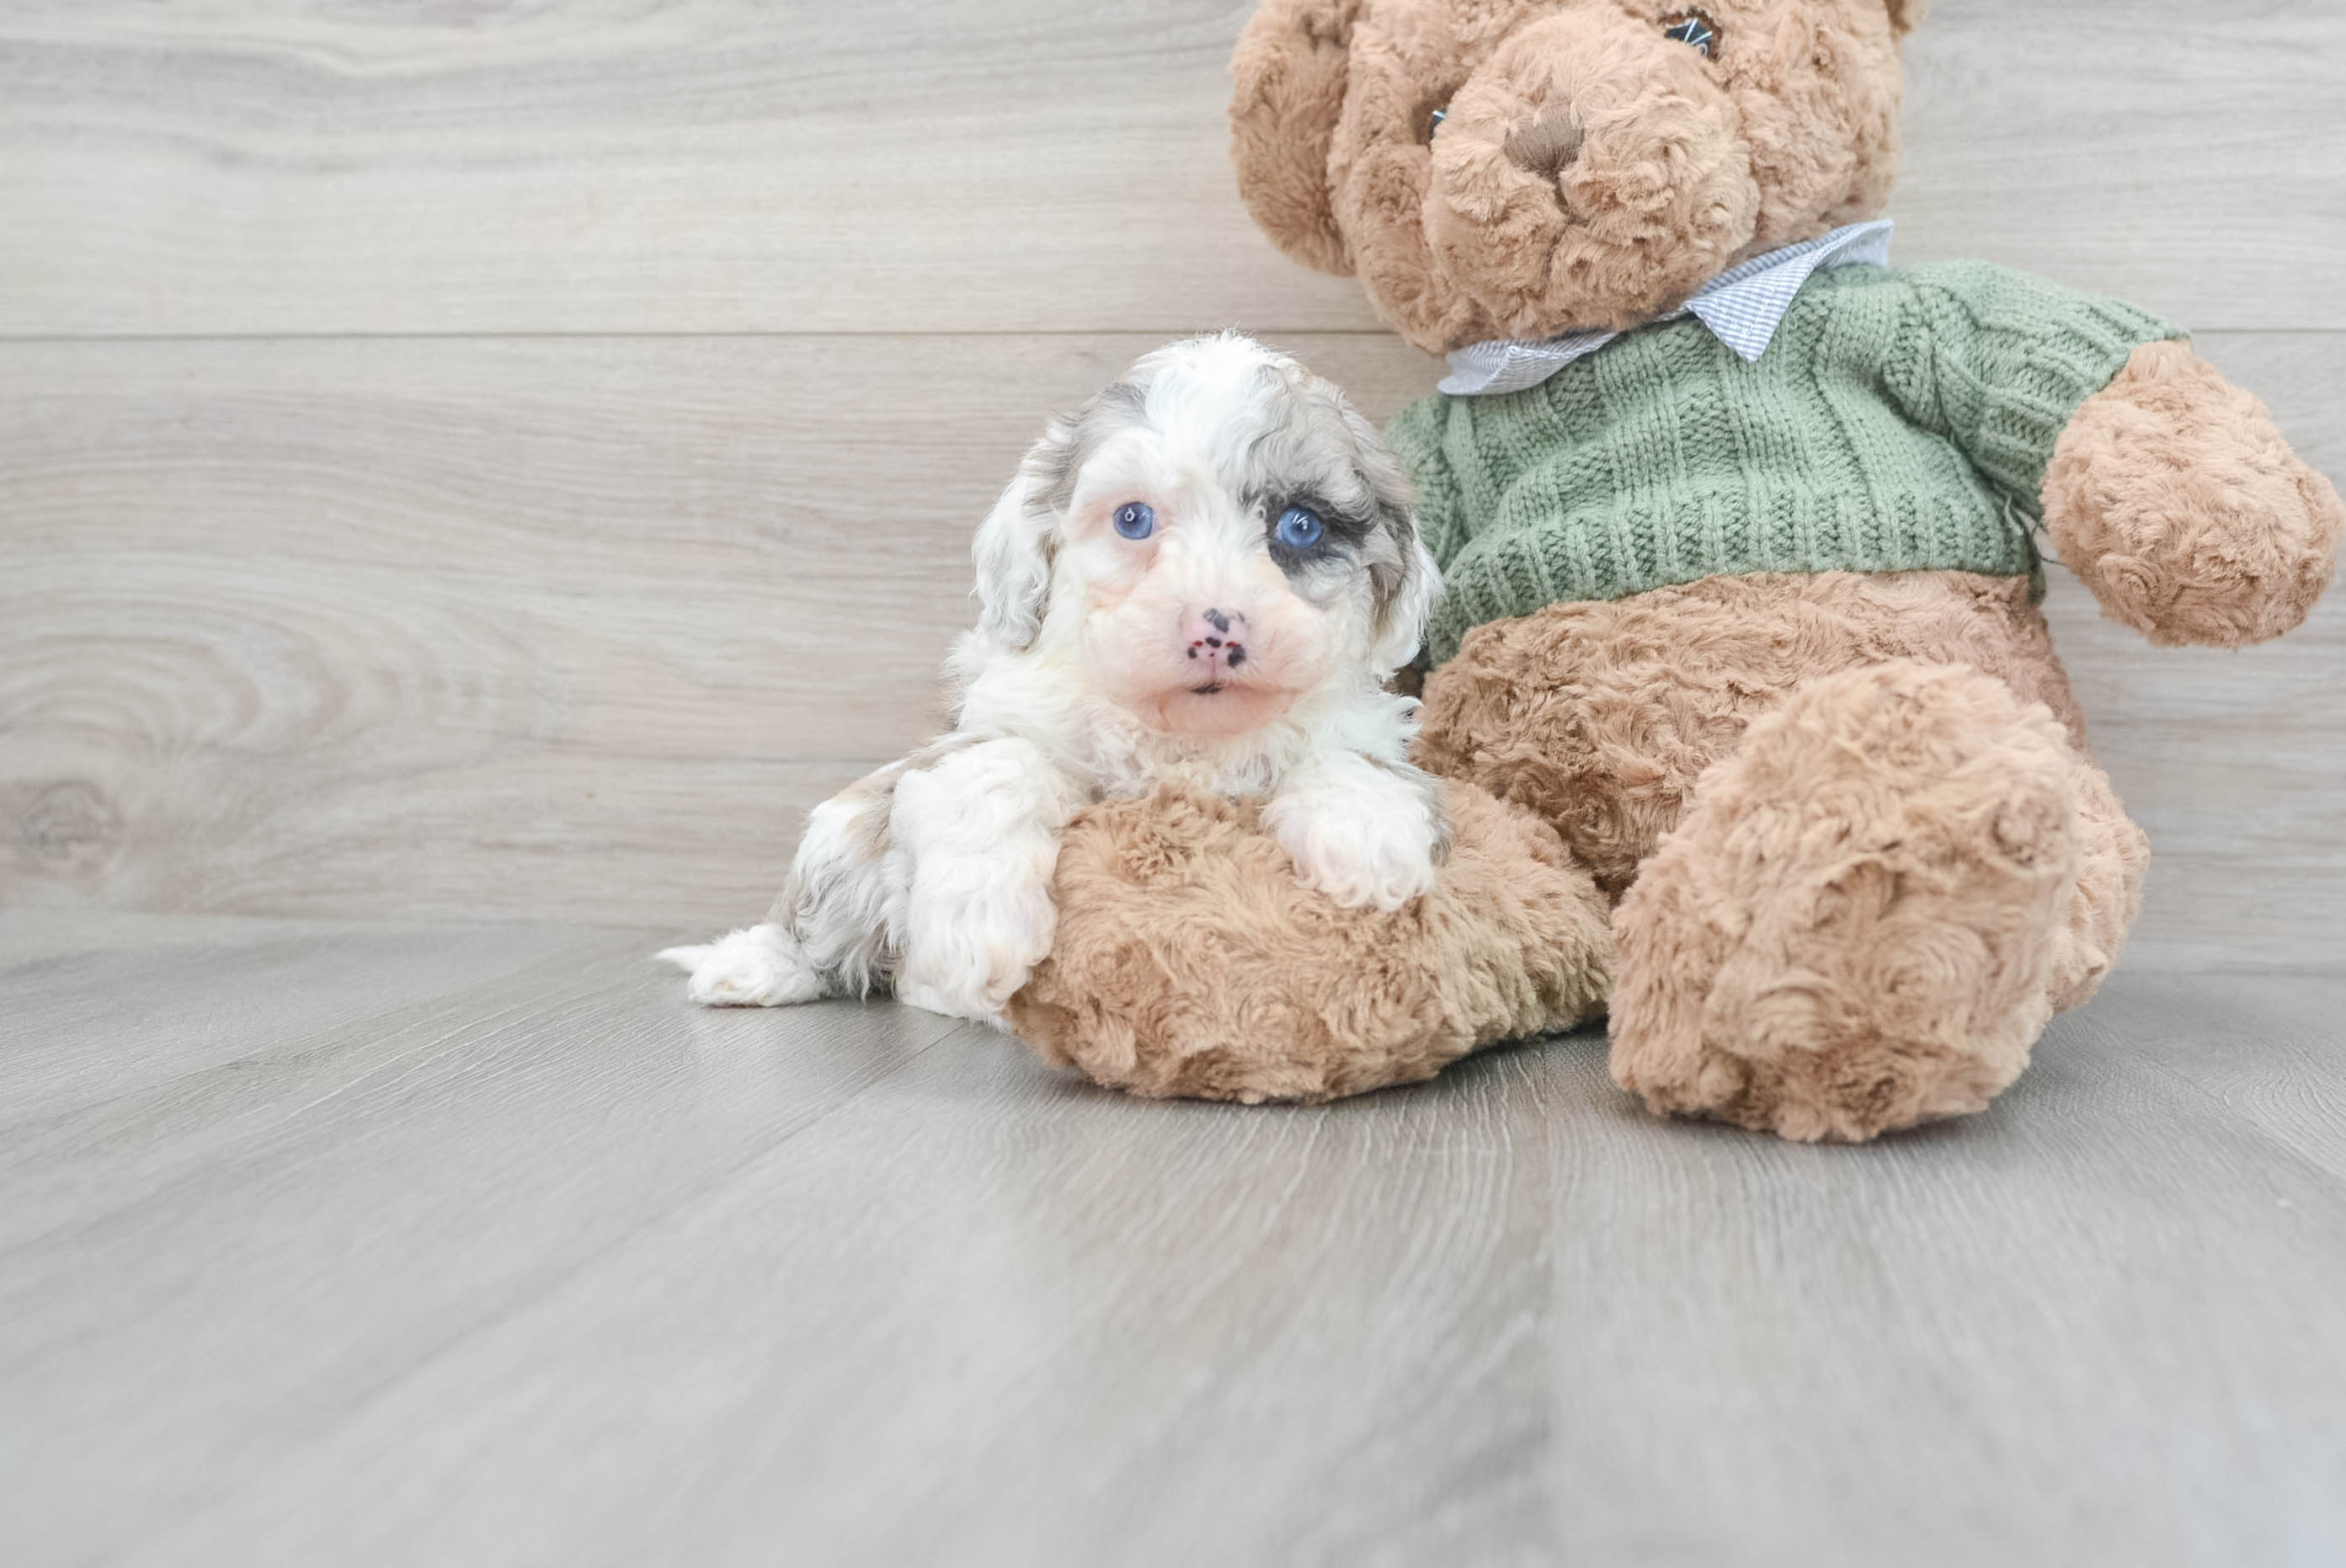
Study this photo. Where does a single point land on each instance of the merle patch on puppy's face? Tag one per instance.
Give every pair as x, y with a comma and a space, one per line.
1209, 540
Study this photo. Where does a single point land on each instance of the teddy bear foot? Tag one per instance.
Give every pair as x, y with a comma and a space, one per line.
1855, 928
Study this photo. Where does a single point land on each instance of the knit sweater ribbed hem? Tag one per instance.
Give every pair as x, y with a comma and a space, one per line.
1901, 420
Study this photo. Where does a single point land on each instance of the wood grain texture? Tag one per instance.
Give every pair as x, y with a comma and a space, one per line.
216, 166
320, 1095
576, 628
486, 1248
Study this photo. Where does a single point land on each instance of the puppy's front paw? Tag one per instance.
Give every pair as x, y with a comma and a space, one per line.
1381, 857
968, 984
968, 958
972, 1003
760, 967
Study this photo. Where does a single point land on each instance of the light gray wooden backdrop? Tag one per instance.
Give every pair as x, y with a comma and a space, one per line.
487, 459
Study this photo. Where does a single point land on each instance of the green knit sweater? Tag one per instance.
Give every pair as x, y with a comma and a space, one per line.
1900, 420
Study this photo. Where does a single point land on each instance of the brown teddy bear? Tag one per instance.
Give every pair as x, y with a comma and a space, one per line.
1738, 529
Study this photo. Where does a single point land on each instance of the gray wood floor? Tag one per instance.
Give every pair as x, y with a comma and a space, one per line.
344, 1243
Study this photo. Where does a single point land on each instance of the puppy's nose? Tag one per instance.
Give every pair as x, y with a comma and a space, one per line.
1217, 637
1546, 146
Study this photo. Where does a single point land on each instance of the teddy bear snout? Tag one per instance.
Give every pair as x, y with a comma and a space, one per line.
1591, 172
1545, 147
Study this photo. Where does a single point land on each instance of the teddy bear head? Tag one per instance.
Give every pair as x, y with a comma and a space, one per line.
1518, 168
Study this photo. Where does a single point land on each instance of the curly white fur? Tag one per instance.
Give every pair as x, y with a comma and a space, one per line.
1207, 650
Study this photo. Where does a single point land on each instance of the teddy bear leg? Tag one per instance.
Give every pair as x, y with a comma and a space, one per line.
1191, 960
1869, 909
2113, 855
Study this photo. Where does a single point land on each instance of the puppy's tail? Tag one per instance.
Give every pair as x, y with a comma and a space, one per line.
763, 966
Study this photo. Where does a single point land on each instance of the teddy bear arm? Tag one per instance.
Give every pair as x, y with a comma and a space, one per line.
2174, 497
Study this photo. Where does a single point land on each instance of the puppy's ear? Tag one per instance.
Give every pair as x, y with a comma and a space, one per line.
1013, 552
1403, 609
1403, 581
1905, 15
1016, 543
1289, 73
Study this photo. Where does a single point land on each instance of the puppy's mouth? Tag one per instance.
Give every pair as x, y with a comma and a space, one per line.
1218, 708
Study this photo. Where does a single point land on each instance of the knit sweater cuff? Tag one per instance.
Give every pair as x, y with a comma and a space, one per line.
2012, 357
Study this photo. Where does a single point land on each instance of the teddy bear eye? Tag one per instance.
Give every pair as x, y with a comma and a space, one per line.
1434, 119
1696, 29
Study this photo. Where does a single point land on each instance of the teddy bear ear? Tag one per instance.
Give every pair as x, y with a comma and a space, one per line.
1289, 72
1905, 15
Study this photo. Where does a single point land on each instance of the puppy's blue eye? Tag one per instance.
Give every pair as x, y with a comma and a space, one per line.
1299, 528
1135, 520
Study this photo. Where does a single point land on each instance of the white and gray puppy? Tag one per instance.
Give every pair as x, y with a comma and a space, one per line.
1208, 573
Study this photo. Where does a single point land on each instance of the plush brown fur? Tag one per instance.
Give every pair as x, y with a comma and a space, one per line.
1859, 924
1633, 727
1190, 961
1600, 716
2176, 501
1291, 77
1590, 172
